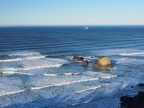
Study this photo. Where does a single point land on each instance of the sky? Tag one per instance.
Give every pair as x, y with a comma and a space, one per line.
71, 12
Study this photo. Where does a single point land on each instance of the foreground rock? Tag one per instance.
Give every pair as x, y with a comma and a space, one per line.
133, 102
77, 58
141, 85
85, 63
103, 63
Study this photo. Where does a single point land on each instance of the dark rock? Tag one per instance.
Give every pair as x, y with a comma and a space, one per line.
85, 63
141, 94
133, 102
141, 85
77, 58
103, 63
132, 86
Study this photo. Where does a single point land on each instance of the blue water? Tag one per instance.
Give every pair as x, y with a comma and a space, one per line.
37, 70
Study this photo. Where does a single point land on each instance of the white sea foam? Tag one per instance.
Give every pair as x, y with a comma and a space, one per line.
128, 60
110, 52
90, 58
11, 60
100, 75
133, 54
65, 74
85, 102
43, 63
121, 52
24, 53
71, 73
39, 67
29, 68
65, 83
109, 77
9, 69
10, 93
20, 59
50, 74
10, 73
34, 57
23, 56
91, 88
10, 85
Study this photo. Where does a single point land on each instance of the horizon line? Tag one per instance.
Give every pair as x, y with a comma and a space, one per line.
67, 25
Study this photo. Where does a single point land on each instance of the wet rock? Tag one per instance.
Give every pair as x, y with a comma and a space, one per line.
141, 95
103, 63
132, 86
141, 85
85, 63
78, 58
133, 102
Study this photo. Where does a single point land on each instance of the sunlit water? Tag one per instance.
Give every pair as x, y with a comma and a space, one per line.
37, 70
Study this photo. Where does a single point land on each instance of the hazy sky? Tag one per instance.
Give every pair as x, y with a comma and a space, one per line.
71, 12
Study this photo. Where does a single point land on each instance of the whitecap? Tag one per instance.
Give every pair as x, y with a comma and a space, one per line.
100, 75
29, 68
65, 74
110, 52
20, 59
10, 93
109, 77
65, 83
91, 88
133, 54
10, 73
50, 74
24, 53
36, 64
11, 60
10, 85
128, 60
9, 69
34, 57
70, 74
38, 67
89, 58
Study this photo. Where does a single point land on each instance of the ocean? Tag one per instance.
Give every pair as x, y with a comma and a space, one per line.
37, 70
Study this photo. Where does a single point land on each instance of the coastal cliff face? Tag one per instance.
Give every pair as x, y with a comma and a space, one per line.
103, 63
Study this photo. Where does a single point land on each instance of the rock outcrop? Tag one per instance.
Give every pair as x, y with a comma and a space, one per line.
133, 102
141, 85
103, 63
77, 58
85, 63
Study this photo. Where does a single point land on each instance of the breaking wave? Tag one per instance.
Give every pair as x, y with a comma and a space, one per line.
133, 54
24, 53
10, 73
20, 59
65, 74
91, 88
10, 93
65, 83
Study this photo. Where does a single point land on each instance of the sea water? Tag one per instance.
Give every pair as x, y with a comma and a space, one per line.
37, 70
